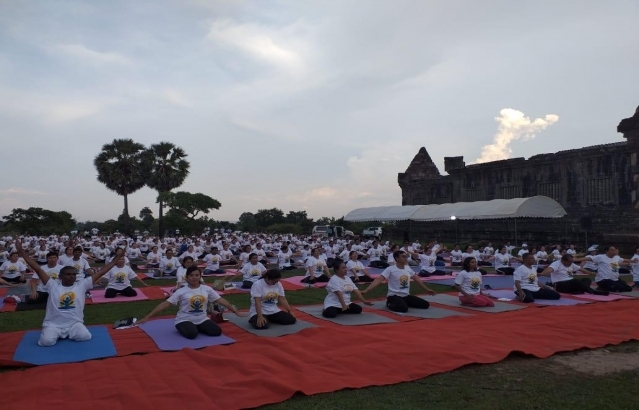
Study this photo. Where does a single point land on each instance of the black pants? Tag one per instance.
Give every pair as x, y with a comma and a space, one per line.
263, 262
401, 304
17, 279
482, 271
332, 311
425, 274
287, 267
247, 284
614, 285
574, 286
313, 279
378, 264
455, 264
281, 318
41, 299
505, 270
190, 329
128, 292
540, 294
363, 278
483, 263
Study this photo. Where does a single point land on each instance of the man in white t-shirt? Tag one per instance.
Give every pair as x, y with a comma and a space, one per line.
561, 275
64, 315
608, 266
398, 298
527, 287
39, 294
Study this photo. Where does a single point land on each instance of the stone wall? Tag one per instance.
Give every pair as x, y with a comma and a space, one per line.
598, 186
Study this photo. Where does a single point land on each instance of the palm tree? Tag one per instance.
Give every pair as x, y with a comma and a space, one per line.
121, 168
167, 170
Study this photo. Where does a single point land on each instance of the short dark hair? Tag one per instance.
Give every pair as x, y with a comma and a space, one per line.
192, 269
397, 254
272, 274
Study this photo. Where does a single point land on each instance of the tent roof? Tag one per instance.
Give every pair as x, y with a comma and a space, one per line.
533, 207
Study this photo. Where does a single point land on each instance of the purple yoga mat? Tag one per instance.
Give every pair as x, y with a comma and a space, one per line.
166, 336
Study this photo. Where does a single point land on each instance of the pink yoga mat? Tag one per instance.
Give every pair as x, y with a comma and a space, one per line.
600, 298
98, 297
170, 288
297, 280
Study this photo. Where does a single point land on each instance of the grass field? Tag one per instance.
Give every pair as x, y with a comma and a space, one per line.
517, 382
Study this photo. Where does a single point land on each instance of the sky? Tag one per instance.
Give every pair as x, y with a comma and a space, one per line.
300, 105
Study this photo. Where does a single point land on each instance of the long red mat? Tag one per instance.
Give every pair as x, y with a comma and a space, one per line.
257, 371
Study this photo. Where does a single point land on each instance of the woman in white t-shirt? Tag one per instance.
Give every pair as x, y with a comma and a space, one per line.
212, 261
250, 273
153, 258
398, 298
468, 283
266, 294
502, 262
13, 271
339, 290
356, 270
284, 257
316, 269
169, 264
456, 256
119, 278
193, 301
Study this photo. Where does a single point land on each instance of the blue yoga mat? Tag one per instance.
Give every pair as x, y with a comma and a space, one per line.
65, 351
166, 336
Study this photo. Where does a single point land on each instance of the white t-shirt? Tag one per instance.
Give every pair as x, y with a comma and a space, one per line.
252, 273
607, 268
134, 253
375, 253
269, 295
153, 257
53, 275
571, 252
470, 282
212, 261
41, 254
169, 265
337, 284
427, 262
284, 259
81, 265
541, 256
562, 273
120, 278
635, 267
398, 280
527, 277
456, 256
502, 260
317, 264
65, 306
356, 266
193, 303
12, 270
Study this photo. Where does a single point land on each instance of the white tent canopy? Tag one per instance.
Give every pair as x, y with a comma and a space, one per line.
533, 207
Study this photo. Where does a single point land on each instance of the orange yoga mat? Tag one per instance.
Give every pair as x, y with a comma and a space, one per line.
256, 371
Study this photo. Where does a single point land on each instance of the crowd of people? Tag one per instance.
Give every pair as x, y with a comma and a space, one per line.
62, 273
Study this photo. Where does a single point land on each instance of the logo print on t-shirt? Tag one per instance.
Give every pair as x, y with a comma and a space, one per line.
255, 272
53, 275
270, 298
119, 277
12, 269
319, 267
348, 289
614, 266
196, 304
169, 265
67, 301
532, 278
475, 283
403, 282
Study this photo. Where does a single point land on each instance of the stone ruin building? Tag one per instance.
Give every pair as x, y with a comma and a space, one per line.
598, 186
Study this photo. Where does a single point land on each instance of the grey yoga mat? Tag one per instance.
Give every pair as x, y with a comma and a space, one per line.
364, 318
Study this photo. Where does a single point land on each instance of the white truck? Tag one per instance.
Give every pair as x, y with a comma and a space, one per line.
373, 231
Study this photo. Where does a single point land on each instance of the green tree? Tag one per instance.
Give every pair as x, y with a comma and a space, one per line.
121, 169
147, 217
188, 204
167, 170
268, 217
39, 221
246, 221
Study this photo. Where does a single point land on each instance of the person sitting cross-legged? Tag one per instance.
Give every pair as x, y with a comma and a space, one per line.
339, 288
266, 294
527, 287
561, 275
468, 283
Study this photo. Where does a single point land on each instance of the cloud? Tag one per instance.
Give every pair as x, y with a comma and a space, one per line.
80, 52
513, 125
176, 97
21, 191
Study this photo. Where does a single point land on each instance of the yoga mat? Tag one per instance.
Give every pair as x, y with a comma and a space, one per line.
297, 280
450, 300
153, 292
166, 336
98, 297
600, 298
509, 294
496, 282
430, 313
274, 330
364, 318
65, 351
633, 294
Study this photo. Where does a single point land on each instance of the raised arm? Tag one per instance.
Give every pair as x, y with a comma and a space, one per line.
44, 278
